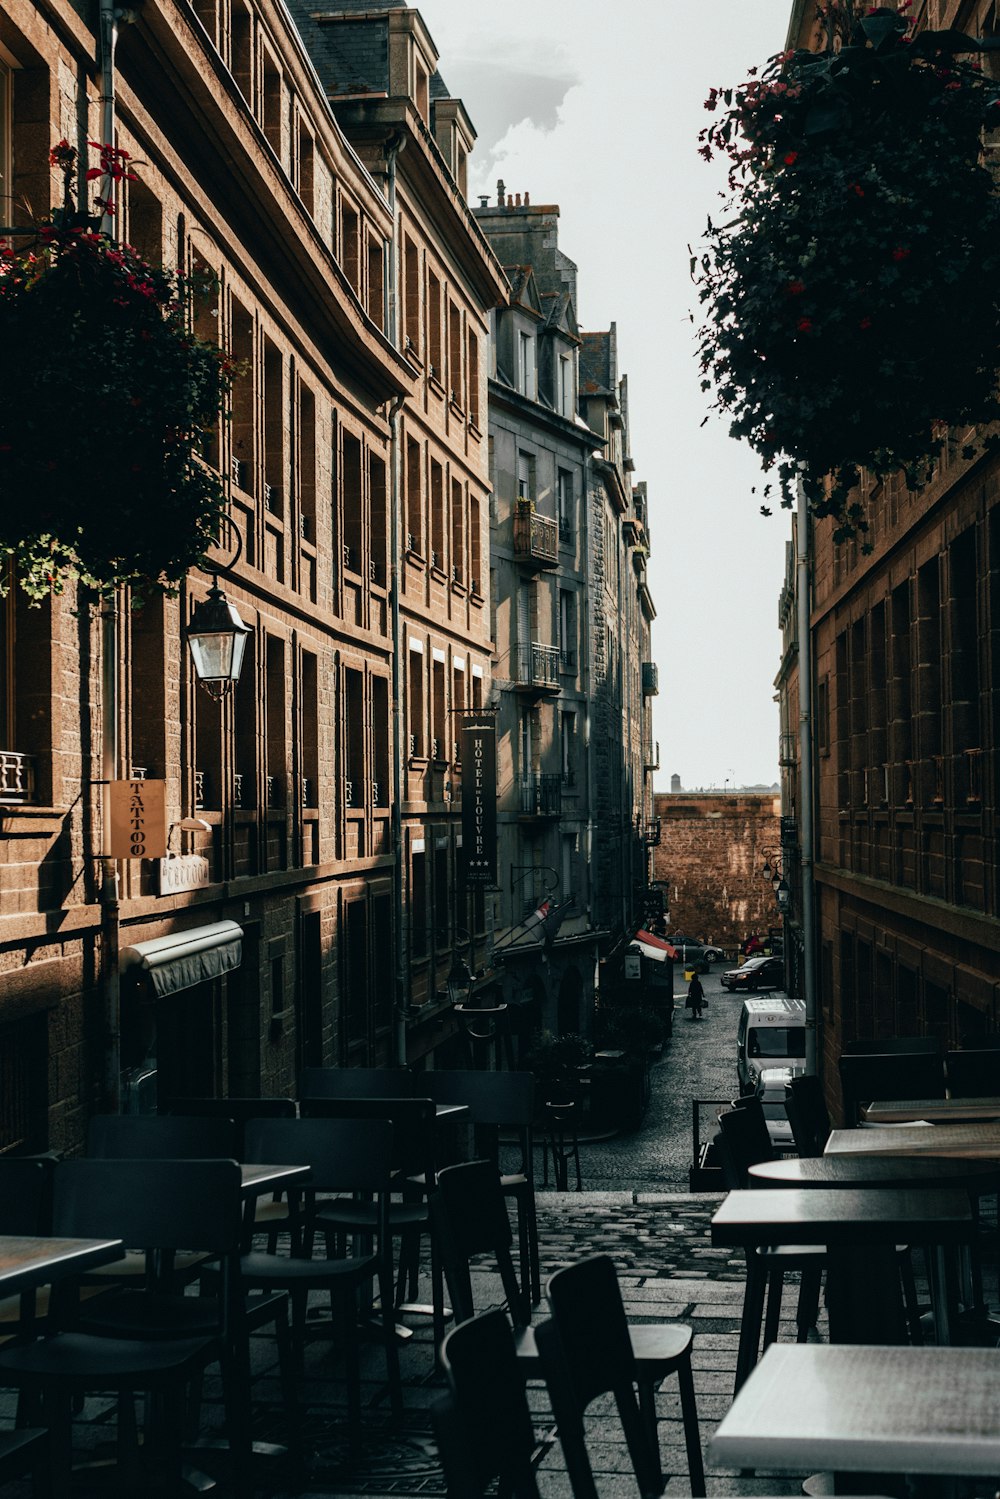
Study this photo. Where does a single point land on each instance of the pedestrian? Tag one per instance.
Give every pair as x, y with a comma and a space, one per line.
695, 997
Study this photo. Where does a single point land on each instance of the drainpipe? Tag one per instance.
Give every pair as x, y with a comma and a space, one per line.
806, 790
110, 913
402, 988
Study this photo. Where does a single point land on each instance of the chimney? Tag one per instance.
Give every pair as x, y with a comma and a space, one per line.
527, 200
500, 192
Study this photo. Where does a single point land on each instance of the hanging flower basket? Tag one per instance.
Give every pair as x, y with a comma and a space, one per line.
852, 296
107, 398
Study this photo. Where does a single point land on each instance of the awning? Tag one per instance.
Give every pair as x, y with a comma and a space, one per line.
654, 947
186, 958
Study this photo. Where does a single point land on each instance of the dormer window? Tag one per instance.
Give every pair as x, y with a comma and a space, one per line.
565, 391
527, 374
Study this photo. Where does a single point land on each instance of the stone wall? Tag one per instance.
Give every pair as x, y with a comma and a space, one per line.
711, 853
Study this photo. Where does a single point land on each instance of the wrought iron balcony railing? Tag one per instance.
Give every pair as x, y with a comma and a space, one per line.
541, 795
536, 538
537, 666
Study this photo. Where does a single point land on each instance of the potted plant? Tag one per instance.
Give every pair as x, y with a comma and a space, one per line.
851, 291
100, 474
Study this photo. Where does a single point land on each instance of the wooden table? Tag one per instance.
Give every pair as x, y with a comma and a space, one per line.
26, 1263
935, 1110
866, 1409
971, 1142
876, 1171
258, 1179
845, 1220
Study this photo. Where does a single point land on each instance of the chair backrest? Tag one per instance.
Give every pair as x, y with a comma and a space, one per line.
344, 1155
160, 1137
586, 1351
492, 1420
889, 1075
239, 1110
745, 1142
469, 1214
356, 1082
807, 1113
502, 1098
890, 1045
412, 1126
150, 1203
26, 1195
973, 1074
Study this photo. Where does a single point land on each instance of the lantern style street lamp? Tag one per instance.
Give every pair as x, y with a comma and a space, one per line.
216, 638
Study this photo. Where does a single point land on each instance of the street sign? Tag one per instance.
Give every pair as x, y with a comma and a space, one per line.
138, 819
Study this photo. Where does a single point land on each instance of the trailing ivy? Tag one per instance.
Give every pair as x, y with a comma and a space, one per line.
852, 294
107, 399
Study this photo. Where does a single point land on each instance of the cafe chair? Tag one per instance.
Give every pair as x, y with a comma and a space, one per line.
973, 1074
561, 1140
161, 1205
26, 1451
356, 1082
239, 1110
589, 1348
893, 1045
352, 1157
470, 1219
502, 1104
483, 1425
807, 1113
889, 1075
414, 1177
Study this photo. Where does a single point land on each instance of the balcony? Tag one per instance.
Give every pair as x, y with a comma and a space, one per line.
16, 778
787, 749
536, 538
650, 679
536, 668
651, 832
541, 795
789, 832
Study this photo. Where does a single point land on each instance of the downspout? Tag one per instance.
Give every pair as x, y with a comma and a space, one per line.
402, 989
807, 791
110, 911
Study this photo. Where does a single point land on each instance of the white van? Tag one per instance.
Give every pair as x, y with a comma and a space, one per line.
772, 1033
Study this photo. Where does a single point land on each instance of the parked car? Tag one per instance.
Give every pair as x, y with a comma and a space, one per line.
690, 950
754, 974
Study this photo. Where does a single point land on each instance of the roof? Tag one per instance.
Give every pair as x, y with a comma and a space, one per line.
598, 375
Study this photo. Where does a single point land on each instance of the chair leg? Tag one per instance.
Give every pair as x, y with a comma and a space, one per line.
753, 1311
692, 1432
352, 1351
773, 1317
807, 1310
534, 1263
239, 1421
388, 1324
647, 1409
289, 1384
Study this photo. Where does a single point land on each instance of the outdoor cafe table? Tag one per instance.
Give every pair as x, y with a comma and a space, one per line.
974, 1177
872, 1410
26, 1263
845, 1220
965, 1141
935, 1110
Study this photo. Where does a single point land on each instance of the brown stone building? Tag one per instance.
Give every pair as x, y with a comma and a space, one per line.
713, 847
323, 269
907, 734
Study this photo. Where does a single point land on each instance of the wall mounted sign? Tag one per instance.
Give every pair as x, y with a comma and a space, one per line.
479, 801
138, 819
181, 872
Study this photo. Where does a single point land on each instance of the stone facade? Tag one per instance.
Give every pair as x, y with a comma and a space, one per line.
907, 715
711, 853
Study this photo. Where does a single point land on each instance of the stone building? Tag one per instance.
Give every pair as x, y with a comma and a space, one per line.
571, 625
348, 298
711, 855
907, 731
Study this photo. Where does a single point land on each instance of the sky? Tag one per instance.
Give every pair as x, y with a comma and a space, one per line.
598, 108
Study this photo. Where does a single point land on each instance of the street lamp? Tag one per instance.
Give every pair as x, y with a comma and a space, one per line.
216, 638
215, 634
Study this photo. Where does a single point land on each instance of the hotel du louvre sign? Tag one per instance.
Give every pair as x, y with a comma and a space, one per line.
479, 801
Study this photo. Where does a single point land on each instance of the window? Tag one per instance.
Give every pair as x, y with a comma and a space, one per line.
457, 532
380, 742
376, 284
434, 326
564, 485
437, 515
304, 154
565, 393
416, 702
356, 970
455, 353
441, 903
309, 748
274, 428
350, 246
147, 690
414, 498
354, 739
245, 755
525, 476
473, 379
276, 688
567, 747
145, 212
353, 531
567, 630
379, 537
411, 296
272, 104
475, 548
418, 903
307, 464
527, 382
439, 709
241, 34
242, 426
458, 706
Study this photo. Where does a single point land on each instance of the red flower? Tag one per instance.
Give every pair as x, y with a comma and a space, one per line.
795, 288
804, 325
857, 188
791, 158
901, 252
865, 322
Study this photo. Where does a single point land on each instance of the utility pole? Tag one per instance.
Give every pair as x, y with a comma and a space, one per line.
807, 798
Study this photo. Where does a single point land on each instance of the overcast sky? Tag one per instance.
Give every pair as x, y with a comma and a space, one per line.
598, 108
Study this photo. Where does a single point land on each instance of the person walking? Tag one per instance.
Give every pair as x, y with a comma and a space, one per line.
695, 997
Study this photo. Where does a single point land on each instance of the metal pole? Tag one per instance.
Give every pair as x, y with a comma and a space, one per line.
806, 789
110, 911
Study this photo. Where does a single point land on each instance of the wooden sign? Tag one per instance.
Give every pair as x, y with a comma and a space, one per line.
138, 819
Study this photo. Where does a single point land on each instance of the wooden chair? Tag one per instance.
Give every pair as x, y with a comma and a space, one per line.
354, 1157
356, 1082
483, 1426
807, 1113
162, 1205
499, 1103
414, 1168
239, 1110
589, 1349
161, 1137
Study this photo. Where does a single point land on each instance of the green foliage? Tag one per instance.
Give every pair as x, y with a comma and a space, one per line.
107, 397
555, 1059
852, 295
632, 1028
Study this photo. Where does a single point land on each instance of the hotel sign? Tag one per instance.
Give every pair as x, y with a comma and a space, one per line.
479, 801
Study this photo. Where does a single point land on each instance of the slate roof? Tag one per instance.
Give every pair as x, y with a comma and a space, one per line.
597, 376
350, 59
